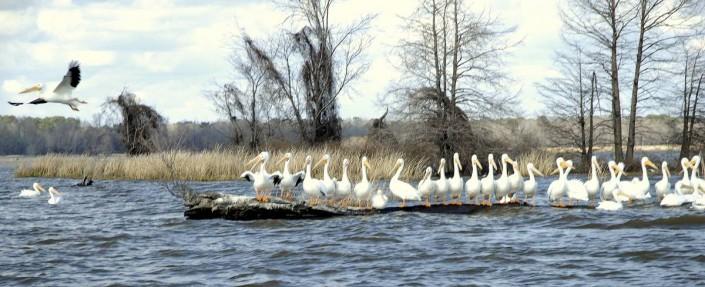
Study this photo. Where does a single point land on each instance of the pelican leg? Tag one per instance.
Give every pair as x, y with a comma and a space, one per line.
428, 199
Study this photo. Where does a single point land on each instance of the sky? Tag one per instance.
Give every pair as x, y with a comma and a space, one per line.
170, 52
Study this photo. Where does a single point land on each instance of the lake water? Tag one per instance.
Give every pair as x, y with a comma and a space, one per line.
134, 233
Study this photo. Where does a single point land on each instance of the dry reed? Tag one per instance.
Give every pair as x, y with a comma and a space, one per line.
211, 165
544, 161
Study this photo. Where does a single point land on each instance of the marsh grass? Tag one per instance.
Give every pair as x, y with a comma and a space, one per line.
544, 161
219, 164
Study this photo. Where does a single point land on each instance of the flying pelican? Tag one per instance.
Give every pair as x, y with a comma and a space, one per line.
364, 187
502, 185
343, 188
62, 92
516, 181
455, 184
442, 184
558, 187
593, 184
35, 191
487, 183
663, 186
313, 188
401, 189
54, 196
289, 180
638, 189
328, 182
262, 181
576, 188
379, 200
472, 186
530, 185
427, 186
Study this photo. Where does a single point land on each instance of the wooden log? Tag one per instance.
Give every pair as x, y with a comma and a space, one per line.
208, 205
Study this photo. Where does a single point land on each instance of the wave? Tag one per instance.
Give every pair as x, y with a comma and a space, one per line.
684, 221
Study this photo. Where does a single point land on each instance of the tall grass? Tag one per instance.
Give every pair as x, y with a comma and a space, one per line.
212, 165
544, 161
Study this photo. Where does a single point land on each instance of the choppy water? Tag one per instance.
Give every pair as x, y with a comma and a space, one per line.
134, 233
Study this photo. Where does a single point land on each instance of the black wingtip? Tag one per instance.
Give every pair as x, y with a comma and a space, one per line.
277, 179
38, 101
300, 180
14, 104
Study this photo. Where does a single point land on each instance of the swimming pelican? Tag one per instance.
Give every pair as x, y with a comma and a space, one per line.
262, 181
442, 184
400, 189
516, 181
455, 184
35, 191
363, 189
576, 188
558, 187
593, 184
473, 186
487, 183
695, 181
62, 92
313, 188
54, 196
343, 188
379, 200
530, 185
502, 185
609, 205
426, 186
610, 185
683, 186
327, 181
638, 189
663, 186
289, 181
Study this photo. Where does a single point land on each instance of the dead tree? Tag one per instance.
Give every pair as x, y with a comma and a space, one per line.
604, 23
693, 77
379, 134
140, 123
451, 68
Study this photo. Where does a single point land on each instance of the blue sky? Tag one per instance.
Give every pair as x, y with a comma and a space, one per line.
170, 52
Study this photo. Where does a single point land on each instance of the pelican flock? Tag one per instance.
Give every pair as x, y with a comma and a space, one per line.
608, 195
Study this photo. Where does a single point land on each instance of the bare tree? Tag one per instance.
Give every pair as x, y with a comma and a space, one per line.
693, 77
452, 68
140, 123
660, 25
330, 58
604, 22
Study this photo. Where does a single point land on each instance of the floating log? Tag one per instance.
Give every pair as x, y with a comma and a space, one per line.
209, 205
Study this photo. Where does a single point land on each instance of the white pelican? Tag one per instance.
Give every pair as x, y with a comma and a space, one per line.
516, 181
683, 186
313, 188
343, 188
487, 183
262, 181
442, 184
400, 189
609, 205
593, 184
455, 184
363, 189
502, 185
62, 92
472, 186
289, 180
427, 186
638, 189
610, 185
558, 187
695, 181
379, 200
576, 188
54, 196
530, 185
327, 181
35, 191
663, 186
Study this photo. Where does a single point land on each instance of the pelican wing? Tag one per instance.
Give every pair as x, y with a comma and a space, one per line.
299, 177
70, 80
248, 175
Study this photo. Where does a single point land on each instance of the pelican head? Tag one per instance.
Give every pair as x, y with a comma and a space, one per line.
490, 161
620, 169
647, 162
400, 162
366, 162
560, 163
664, 167
685, 165
695, 161
326, 158
38, 187
531, 167
346, 162
596, 163
261, 157
456, 160
53, 191
285, 157
441, 165
475, 162
427, 174
309, 159
35, 88
506, 158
